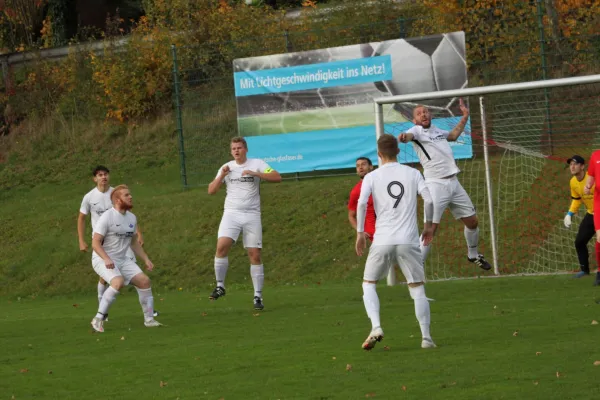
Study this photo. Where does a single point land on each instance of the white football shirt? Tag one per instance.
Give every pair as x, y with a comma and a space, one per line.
96, 203
117, 229
243, 192
394, 188
434, 151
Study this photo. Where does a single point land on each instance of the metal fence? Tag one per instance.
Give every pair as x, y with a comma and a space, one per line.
529, 47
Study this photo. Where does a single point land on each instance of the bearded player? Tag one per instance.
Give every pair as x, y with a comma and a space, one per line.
440, 170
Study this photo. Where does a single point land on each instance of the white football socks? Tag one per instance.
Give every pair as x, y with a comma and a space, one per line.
101, 289
109, 296
147, 303
258, 278
371, 301
422, 310
472, 237
221, 265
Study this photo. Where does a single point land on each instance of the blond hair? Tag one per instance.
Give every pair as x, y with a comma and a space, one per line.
239, 139
116, 191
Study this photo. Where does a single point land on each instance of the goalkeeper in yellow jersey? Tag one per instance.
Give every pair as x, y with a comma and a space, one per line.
586, 228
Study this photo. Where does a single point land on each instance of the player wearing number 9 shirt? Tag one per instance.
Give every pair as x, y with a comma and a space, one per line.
593, 171
394, 188
242, 214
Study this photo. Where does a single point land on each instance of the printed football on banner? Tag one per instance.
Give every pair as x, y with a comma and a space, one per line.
314, 110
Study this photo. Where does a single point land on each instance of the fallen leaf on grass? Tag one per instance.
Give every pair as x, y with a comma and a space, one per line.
204, 314
75, 305
163, 384
370, 395
161, 299
122, 337
256, 315
537, 353
348, 367
516, 333
49, 372
535, 383
24, 370
386, 348
333, 358
558, 374
596, 363
594, 322
404, 388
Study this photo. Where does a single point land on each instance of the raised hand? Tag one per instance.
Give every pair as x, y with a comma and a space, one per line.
463, 108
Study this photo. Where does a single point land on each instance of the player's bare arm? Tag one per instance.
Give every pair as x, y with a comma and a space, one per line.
139, 251
140, 238
271, 176
215, 185
361, 210
352, 218
405, 137
81, 232
460, 127
589, 185
97, 246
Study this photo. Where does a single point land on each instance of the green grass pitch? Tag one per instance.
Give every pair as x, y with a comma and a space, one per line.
503, 338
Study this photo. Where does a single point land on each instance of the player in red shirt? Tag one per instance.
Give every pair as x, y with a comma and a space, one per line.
363, 167
593, 171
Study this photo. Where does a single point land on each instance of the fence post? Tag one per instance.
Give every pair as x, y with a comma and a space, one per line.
544, 61
182, 169
402, 23
288, 48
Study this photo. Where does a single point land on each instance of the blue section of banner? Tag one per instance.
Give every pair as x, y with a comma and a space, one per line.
313, 76
339, 148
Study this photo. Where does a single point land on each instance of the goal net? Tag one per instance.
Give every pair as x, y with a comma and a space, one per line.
512, 157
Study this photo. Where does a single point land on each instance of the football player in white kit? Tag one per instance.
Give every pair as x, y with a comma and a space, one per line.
95, 203
114, 234
395, 188
440, 170
242, 176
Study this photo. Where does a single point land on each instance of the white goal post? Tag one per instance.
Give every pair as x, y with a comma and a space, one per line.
541, 103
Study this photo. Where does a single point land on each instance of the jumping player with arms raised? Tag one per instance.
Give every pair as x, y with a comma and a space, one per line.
440, 170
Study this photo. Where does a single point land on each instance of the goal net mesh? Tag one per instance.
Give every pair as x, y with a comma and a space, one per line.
530, 135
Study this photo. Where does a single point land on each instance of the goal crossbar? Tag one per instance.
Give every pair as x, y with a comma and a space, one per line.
509, 87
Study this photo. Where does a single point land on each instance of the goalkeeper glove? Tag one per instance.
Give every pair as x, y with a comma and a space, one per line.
568, 219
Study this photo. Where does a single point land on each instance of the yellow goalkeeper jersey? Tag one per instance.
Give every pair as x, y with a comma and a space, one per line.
579, 197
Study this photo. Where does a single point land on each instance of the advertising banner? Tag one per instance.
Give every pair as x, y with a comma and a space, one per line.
314, 110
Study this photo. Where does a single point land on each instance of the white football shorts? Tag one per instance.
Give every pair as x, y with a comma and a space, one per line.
130, 255
449, 193
126, 268
383, 257
233, 223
